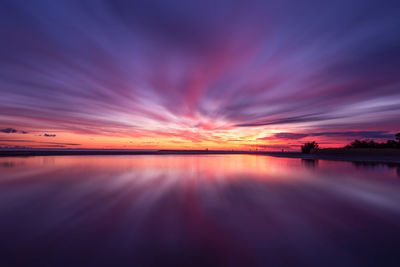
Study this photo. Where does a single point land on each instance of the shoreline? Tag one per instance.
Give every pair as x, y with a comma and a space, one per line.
340, 155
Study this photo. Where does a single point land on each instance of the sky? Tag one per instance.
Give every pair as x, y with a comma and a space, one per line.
181, 74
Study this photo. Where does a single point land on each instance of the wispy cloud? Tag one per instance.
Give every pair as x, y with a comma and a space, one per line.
37, 142
355, 134
168, 70
12, 130
8, 130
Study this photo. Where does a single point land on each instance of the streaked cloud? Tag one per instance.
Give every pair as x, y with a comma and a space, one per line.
355, 134
199, 73
8, 130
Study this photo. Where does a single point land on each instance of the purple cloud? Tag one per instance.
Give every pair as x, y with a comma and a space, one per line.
355, 134
8, 130
133, 68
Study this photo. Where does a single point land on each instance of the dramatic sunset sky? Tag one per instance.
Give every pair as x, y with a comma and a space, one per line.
179, 74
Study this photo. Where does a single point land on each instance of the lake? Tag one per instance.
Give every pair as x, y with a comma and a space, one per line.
197, 210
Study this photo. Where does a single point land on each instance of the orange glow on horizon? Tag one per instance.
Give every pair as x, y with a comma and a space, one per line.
232, 139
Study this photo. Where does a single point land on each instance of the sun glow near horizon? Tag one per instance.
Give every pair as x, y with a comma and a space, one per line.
197, 74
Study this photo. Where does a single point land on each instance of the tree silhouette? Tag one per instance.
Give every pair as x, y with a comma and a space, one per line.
372, 144
308, 147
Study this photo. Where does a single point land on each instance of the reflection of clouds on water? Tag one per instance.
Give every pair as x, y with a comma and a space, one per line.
7, 164
193, 209
11, 164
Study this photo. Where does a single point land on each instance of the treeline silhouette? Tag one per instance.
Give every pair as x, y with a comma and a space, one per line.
372, 144
368, 143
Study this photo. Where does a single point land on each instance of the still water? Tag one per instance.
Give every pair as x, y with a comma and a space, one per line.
205, 210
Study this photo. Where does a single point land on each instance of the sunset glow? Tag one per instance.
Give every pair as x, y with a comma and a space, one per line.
198, 75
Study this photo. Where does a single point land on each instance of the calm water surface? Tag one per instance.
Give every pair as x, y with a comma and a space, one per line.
205, 210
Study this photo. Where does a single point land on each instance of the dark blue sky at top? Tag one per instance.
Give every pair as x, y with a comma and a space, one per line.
96, 67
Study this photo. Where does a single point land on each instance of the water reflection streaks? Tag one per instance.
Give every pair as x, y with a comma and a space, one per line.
197, 210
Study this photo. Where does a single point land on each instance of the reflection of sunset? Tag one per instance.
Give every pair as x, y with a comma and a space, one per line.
199, 133
184, 166
203, 208
187, 166
177, 74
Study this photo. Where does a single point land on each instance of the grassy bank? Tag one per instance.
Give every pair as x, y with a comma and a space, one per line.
378, 152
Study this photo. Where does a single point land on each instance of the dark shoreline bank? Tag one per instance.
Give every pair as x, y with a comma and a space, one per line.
328, 154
